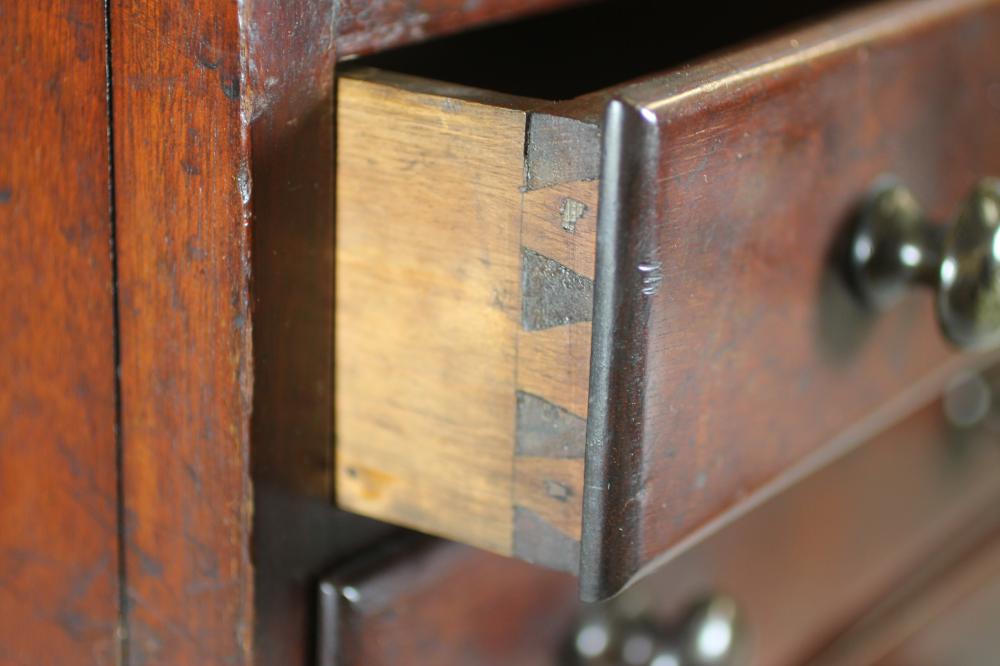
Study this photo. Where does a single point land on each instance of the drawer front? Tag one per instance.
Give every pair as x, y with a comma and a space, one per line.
420, 601
964, 633
727, 349
800, 568
588, 343
945, 613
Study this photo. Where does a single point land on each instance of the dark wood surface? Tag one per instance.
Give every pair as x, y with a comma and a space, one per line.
58, 498
297, 531
366, 26
182, 190
422, 601
802, 565
727, 348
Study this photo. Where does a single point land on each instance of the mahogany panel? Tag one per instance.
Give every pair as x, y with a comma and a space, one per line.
58, 473
727, 350
182, 191
366, 26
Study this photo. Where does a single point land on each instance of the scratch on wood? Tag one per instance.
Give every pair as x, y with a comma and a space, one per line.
652, 277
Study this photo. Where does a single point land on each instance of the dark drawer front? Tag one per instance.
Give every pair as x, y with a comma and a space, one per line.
727, 349
800, 567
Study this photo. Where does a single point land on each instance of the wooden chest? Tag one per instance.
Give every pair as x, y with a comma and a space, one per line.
364, 332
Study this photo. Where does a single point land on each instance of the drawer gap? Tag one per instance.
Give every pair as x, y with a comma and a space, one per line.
566, 54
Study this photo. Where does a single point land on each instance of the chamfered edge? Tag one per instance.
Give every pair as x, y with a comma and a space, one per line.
626, 248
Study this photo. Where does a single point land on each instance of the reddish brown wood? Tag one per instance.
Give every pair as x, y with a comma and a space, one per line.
963, 631
419, 601
366, 26
184, 201
297, 530
727, 348
802, 566
945, 613
291, 102
58, 499
182, 188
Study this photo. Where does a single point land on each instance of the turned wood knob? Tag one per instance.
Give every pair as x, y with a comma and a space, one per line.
895, 246
710, 633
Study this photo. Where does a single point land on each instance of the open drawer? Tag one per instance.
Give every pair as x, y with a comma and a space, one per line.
585, 333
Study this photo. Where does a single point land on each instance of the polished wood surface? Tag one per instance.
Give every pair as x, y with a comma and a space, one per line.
364, 26
679, 438
963, 634
221, 182
258, 157
421, 601
297, 530
727, 349
944, 613
182, 190
806, 563
802, 566
58, 498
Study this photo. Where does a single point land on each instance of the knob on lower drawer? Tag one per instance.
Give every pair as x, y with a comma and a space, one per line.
894, 246
710, 633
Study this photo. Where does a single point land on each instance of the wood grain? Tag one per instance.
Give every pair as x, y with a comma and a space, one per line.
437, 367
365, 26
803, 565
962, 630
941, 614
427, 309
554, 363
737, 302
58, 515
729, 347
182, 191
412, 602
297, 530
807, 562
560, 222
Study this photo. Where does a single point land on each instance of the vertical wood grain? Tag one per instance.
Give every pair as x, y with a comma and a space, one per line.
427, 309
454, 415
58, 531
428, 305
182, 190
297, 530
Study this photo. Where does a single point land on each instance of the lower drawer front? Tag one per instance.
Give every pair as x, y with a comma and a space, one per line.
962, 634
799, 568
489, 247
946, 614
